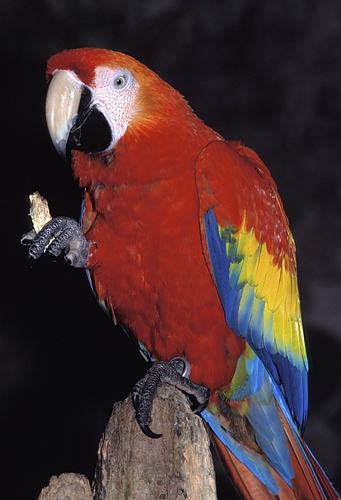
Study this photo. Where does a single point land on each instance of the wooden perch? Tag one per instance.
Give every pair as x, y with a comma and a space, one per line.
67, 487
133, 466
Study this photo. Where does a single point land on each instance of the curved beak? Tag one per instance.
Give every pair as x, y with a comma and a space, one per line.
62, 104
74, 122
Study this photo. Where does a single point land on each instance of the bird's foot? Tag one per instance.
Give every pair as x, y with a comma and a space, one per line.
174, 372
59, 234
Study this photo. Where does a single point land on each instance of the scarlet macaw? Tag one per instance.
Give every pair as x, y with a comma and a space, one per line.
186, 243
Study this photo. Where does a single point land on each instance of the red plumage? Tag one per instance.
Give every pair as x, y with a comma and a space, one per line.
158, 252
145, 206
146, 231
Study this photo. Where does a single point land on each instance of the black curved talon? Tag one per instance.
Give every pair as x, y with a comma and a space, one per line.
200, 408
175, 372
136, 400
148, 432
182, 366
27, 238
58, 235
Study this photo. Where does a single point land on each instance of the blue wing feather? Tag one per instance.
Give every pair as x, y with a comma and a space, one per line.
245, 315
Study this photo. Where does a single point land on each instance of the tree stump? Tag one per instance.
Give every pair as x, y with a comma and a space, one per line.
133, 466
67, 487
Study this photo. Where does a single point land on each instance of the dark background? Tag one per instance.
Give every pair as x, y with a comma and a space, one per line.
267, 72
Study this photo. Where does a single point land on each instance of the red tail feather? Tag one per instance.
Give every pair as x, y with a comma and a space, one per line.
309, 483
247, 485
328, 488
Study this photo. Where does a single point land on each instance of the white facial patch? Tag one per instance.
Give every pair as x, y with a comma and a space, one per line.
115, 92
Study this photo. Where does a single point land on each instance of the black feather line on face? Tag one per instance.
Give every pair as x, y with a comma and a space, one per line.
90, 132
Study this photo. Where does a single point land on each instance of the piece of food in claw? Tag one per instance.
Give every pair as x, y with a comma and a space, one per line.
39, 211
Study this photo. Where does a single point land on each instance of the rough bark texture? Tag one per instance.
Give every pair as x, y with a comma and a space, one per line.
133, 466
176, 466
67, 487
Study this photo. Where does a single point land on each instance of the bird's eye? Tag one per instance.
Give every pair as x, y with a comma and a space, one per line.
120, 82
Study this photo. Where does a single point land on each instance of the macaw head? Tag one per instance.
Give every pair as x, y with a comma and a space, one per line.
95, 96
